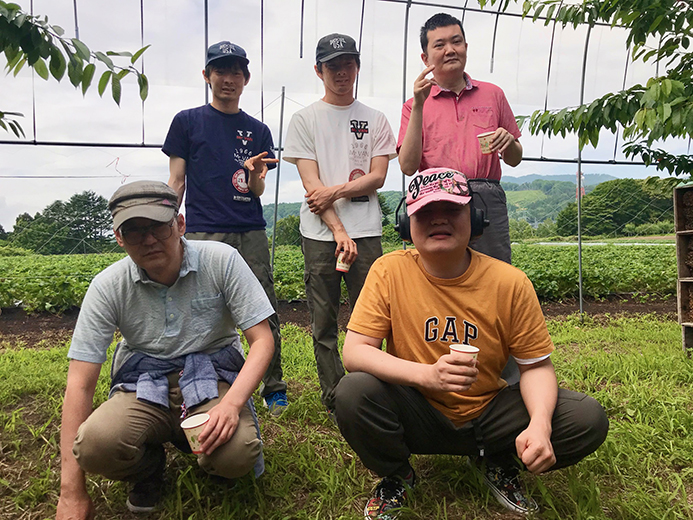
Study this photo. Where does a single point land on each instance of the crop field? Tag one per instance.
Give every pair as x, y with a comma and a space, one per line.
524, 197
57, 283
633, 365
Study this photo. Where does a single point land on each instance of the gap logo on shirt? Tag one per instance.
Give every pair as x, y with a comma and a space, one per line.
435, 330
359, 128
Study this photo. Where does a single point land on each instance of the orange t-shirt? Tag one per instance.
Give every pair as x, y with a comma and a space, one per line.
492, 306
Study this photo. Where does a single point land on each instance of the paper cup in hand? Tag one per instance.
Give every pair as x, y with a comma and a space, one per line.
341, 264
485, 142
468, 350
193, 426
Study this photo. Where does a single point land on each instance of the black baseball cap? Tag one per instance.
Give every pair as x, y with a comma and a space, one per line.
333, 45
226, 50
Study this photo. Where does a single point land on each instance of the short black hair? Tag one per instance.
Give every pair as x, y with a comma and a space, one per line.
435, 21
357, 58
228, 63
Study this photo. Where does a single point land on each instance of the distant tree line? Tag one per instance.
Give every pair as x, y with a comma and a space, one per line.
80, 225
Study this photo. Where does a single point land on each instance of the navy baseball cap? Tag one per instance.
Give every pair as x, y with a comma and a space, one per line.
226, 50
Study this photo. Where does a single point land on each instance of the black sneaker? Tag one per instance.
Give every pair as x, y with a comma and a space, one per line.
505, 485
146, 494
388, 498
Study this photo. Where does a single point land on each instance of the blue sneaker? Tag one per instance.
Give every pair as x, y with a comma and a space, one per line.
276, 402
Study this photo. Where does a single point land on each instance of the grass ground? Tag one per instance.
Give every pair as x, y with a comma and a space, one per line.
633, 365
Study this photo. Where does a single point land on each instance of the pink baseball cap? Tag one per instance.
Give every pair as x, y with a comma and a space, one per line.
436, 184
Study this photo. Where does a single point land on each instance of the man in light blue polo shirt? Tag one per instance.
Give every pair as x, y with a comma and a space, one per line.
177, 304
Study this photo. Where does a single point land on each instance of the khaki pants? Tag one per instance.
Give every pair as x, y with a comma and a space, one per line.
253, 247
323, 291
122, 439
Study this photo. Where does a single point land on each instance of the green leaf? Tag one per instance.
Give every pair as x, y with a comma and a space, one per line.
122, 53
105, 59
123, 73
58, 30
41, 69
82, 50
143, 82
19, 66
87, 76
57, 64
74, 71
103, 82
116, 88
139, 53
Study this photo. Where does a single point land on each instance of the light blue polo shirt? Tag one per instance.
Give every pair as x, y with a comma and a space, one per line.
216, 292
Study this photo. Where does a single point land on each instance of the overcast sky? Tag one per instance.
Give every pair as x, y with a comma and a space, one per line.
33, 176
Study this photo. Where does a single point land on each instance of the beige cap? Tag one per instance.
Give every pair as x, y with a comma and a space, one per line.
154, 200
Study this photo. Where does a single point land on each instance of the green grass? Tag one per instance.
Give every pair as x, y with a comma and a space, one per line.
524, 198
634, 366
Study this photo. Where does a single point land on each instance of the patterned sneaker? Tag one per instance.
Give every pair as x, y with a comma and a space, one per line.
276, 402
146, 494
388, 498
505, 485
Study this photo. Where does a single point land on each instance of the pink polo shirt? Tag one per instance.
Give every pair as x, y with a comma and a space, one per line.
451, 124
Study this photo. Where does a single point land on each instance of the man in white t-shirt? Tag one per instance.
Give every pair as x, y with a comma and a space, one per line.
341, 149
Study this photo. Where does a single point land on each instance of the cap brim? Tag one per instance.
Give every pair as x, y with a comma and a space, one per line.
437, 197
246, 61
337, 54
156, 213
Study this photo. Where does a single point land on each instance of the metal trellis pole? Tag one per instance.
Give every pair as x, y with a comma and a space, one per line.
579, 179
279, 168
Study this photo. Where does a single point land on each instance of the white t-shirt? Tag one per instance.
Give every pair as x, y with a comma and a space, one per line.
342, 140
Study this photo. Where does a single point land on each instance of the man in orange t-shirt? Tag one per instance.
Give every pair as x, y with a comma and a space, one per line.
418, 396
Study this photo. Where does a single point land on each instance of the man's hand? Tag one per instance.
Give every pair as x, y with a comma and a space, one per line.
75, 507
320, 198
346, 244
501, 140
422, 86
257, 165
452, 372
223, 421
534, 448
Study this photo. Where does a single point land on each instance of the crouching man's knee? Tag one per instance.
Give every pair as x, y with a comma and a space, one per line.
98, 451
238, 456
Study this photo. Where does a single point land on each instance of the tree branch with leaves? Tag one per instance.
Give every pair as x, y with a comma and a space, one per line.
660, 109
30, 40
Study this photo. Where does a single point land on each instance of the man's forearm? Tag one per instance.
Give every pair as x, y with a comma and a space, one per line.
512, 156
539, 390
256, 184
259, 356
176, 180
366, 184
77, 406
412, 146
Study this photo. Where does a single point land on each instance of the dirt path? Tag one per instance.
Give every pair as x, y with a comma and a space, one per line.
33, 329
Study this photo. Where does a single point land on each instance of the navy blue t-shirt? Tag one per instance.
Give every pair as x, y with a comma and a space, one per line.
215, 146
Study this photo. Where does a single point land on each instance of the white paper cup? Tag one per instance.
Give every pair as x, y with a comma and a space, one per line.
341, 264
485, 142
468, 350
193, 426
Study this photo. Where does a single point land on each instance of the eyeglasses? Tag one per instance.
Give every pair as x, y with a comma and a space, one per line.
136, 235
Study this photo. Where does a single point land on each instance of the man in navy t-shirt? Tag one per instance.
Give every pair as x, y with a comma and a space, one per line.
218, 158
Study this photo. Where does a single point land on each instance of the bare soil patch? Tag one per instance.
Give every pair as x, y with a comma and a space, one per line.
35, 330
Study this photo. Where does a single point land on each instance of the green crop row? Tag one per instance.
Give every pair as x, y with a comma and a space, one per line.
56, 283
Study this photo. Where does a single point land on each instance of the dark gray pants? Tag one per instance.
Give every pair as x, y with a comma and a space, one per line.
253, 247
495, 241
385, 423
323, 291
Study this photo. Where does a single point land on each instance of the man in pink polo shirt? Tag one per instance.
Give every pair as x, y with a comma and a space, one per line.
441, 122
